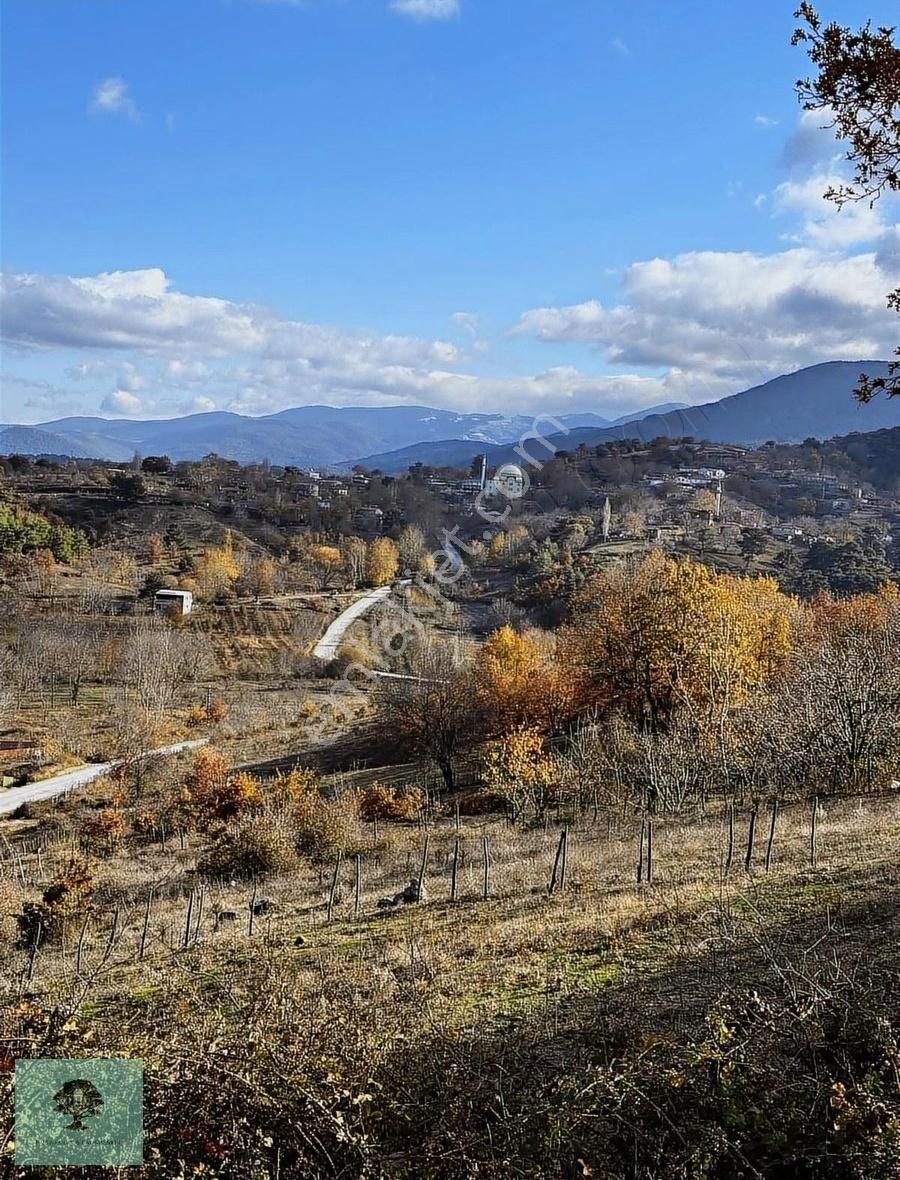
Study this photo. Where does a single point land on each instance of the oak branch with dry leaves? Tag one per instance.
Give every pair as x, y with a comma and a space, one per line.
858, 86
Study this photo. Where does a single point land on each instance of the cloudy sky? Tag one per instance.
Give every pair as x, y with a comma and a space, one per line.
517, 205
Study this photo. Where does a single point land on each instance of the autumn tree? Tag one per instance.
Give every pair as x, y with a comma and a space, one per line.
261, 576
857, 88
217, 569
519, 768
354, 557
211, 793
155, 548
841, 706
382, 561
520, 682
659, 635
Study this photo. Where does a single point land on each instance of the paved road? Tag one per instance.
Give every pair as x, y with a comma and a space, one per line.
328, 646
13, 797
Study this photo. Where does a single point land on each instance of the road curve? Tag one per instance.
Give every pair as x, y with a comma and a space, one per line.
61, 784
328, 646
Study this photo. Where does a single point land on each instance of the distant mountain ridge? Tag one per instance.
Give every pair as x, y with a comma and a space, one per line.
306, 436
813, 402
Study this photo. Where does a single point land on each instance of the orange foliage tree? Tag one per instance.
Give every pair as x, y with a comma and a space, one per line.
661, 634
520, 681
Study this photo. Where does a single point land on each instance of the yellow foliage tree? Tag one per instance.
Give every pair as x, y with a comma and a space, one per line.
519, 768
261, 577
382, 561
217, 569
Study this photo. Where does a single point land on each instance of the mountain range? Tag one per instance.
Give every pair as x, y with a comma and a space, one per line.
308, 436
815, 401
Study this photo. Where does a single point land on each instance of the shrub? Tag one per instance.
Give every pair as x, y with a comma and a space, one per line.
196, 716
258, 844
105, 829
481, 802
401, 804
65, 898
216, 711
294, 786
326, 827
210, 793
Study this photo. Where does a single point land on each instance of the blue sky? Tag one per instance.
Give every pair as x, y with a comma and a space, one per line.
482, 204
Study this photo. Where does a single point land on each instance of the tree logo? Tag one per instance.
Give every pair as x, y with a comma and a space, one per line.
79, 1099
79, 1112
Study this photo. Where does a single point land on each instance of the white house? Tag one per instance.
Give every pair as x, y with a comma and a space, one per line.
181, 601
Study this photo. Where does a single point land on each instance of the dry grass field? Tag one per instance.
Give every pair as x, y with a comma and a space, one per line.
366, 1001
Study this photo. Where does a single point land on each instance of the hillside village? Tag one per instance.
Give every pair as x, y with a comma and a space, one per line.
480, 819
449, 592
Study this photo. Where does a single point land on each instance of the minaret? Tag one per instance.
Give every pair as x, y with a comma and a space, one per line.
483, 470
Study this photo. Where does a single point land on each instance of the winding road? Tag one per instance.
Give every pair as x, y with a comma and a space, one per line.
61, 784
328, 646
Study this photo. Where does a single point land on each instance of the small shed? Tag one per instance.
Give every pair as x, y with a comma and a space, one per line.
180, 601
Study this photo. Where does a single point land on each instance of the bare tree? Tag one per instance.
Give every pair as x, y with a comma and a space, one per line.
433, 714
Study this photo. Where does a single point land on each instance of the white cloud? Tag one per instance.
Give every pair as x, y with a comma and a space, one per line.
764, 121
122, 402
426, 9
201, 405
620, 47
733, 318
187, 372
111, 97
823, 222
812, 141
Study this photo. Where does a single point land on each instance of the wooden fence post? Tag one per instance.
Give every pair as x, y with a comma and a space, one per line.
751, 833
729, 856
112, 934
486, 855
252, 911
80, 951
333, 890
454, 872
565, 857
556, 862
146, 925
357, 884
423, 867
649, 849
197, 924
771, 840
640, 859
185, 942
814, 833
38, 934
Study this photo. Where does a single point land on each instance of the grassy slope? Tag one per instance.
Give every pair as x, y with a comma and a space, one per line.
543, 989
